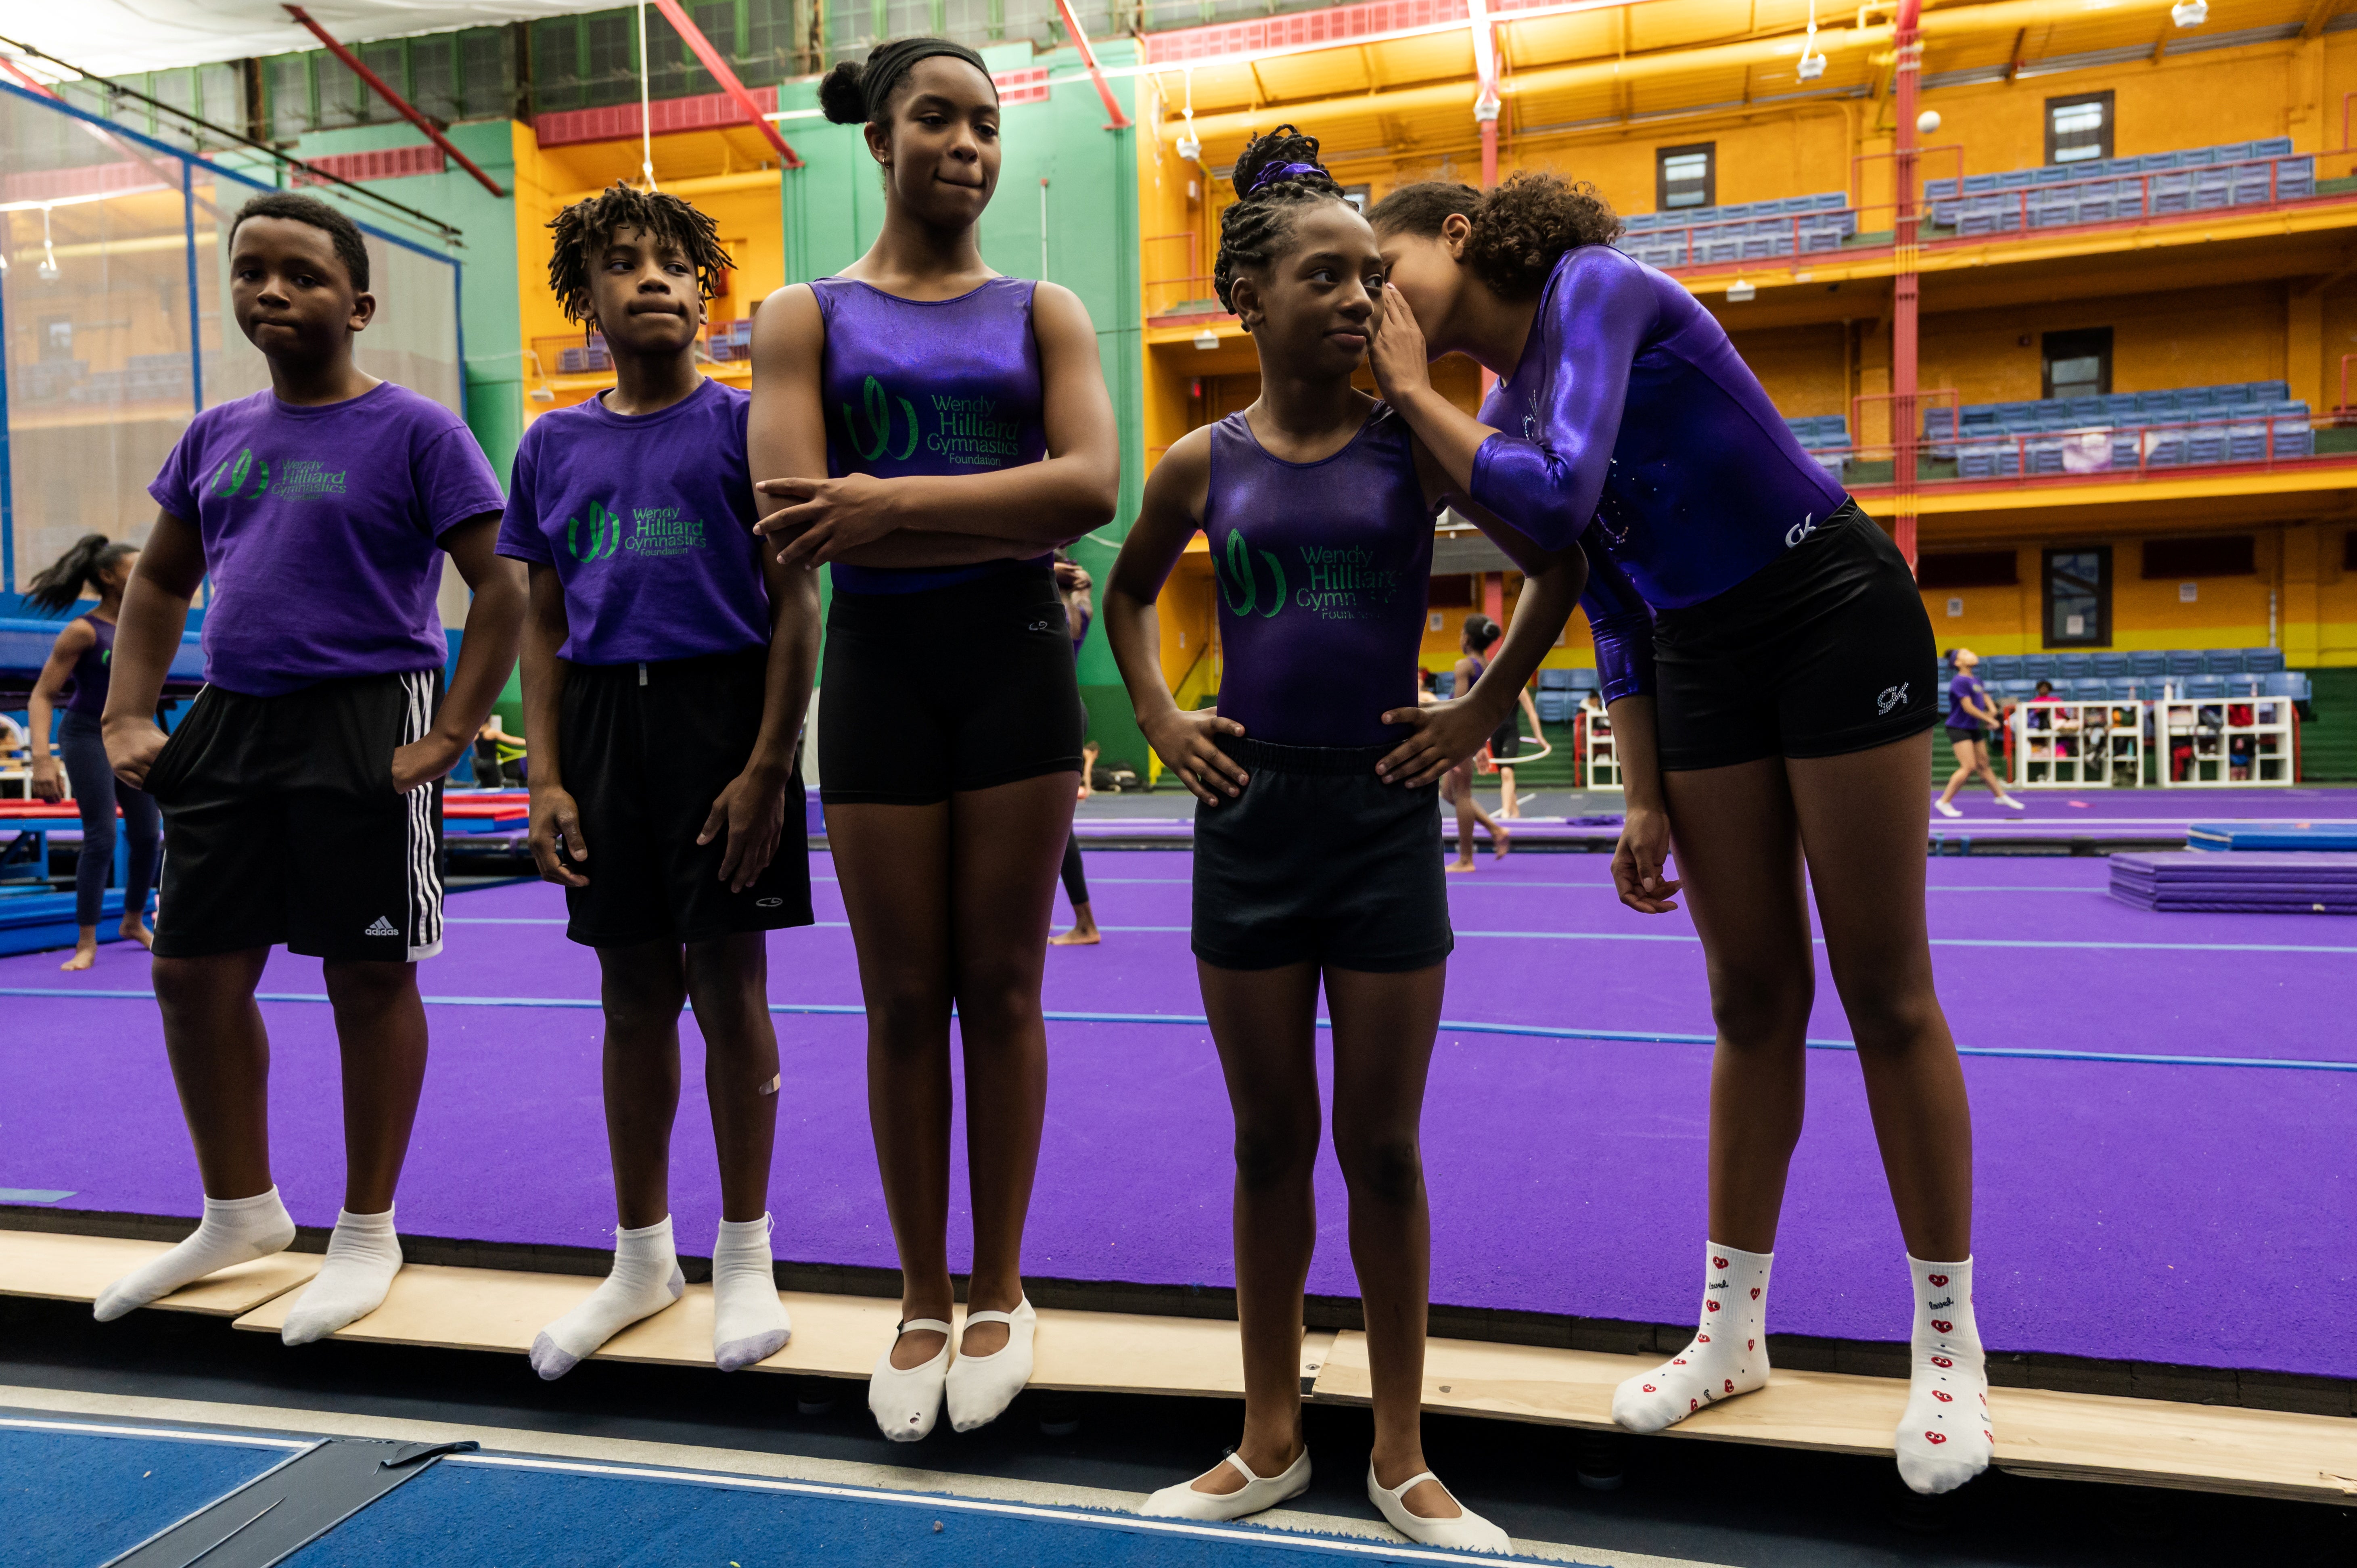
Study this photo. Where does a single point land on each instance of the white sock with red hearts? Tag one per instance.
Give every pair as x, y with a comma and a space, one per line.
1729, 1354
1944, 1439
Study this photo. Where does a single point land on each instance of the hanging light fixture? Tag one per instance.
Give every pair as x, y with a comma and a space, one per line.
1190, 146
2190, 12
47, 271
1813, 59
646, 124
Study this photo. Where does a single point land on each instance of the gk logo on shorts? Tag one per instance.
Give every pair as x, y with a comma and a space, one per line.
1893, 697
1800, 531
1238, 583
880, 415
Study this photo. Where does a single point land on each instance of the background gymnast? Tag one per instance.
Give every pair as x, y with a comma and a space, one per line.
1771, 674
914, 397
1969, 708
667, 660
83, 654
1315, 836
1480, 635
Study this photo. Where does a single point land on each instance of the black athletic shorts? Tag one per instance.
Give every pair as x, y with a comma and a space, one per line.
1974, 735
646, 750
923, 695
1506, 740
1823, 651
1317, 860
281, 824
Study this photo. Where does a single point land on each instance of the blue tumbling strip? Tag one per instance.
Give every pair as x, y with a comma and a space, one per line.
1197, 1021
89, 1495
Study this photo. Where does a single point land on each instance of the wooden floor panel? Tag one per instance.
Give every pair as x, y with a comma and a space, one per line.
76, 1268
2074, 1436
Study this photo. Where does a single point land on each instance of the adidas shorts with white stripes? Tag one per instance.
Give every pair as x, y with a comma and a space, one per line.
281, 824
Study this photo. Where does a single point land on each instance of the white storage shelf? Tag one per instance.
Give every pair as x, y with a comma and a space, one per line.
2212, 743
2060, 745
1600, 756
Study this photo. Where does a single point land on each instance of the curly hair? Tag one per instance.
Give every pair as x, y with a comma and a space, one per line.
1258, 225
1519, 230
584, 228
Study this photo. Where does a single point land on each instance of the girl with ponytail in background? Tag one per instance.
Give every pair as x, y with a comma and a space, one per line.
1772, 680
933, 430
83, 655
1314, 837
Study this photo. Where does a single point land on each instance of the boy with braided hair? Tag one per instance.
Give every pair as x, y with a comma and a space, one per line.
666, 662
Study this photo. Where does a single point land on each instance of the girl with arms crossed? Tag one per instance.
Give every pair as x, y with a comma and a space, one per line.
84, 654
946, 427
1316, 836
1769, 670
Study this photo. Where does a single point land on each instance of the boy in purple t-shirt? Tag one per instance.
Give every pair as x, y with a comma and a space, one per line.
302, 794
667, 660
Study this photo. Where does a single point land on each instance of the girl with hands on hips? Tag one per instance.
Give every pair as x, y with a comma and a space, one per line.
1313, 846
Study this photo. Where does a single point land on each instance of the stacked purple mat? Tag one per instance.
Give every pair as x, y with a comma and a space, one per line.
2246, 882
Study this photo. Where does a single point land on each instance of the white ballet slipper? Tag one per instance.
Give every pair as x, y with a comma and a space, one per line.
1467, 1532
906, 1400
1258, 1492
980, 1388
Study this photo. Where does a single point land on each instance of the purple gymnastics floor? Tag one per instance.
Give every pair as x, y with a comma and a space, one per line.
2164, 1106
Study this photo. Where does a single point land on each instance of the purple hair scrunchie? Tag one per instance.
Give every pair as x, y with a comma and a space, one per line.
1269, 176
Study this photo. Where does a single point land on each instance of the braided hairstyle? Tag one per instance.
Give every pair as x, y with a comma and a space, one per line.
583, 229
1275, 177
1519, 230
1481, 633
53, 591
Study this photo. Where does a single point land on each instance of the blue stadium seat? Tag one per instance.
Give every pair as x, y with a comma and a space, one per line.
2271, 146
2036, 667
2114, 666
2199, 686
1554, 707
1554, 680
2262, 660
2184, 661
2074, 666
2019, 686
1585, 681
2148, 663
2221, 662
2152, 162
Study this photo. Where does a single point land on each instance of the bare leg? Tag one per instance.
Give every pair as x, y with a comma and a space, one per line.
1461, 780
1860, 817
1085, 932
1968, 761
1004, 847
221, 1065
1510, 805
894, 865
728, 978
85, 952
1383, 1029
1264, 1022
1738, 847
1981, 756
642, 988
381, 1028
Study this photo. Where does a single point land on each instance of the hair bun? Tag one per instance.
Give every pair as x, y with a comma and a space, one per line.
841, 95
1263, 157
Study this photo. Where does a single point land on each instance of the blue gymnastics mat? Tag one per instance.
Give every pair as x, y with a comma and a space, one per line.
2341, 835
482, 1510
73, 1494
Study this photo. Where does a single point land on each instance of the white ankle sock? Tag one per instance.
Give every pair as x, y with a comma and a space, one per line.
1728, 1356
1944, 1439
645, 1279
748, 1321
363, 1254
233, 1230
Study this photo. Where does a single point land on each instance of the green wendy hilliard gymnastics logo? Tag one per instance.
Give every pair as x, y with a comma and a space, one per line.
605, 534
1335, 582
880, 418
247, 478
1240, 585
654, 530
969, 431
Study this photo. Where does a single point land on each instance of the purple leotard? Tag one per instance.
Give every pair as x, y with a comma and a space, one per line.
1633, 426
1323, 572
928, 386
92, 670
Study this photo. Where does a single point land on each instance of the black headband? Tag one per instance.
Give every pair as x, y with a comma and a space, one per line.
888, 63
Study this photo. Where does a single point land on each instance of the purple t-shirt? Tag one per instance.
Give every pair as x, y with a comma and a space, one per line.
648, 520
320, 528
1964, 689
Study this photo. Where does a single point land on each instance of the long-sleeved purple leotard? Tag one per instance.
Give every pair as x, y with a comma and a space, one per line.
1633, 426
